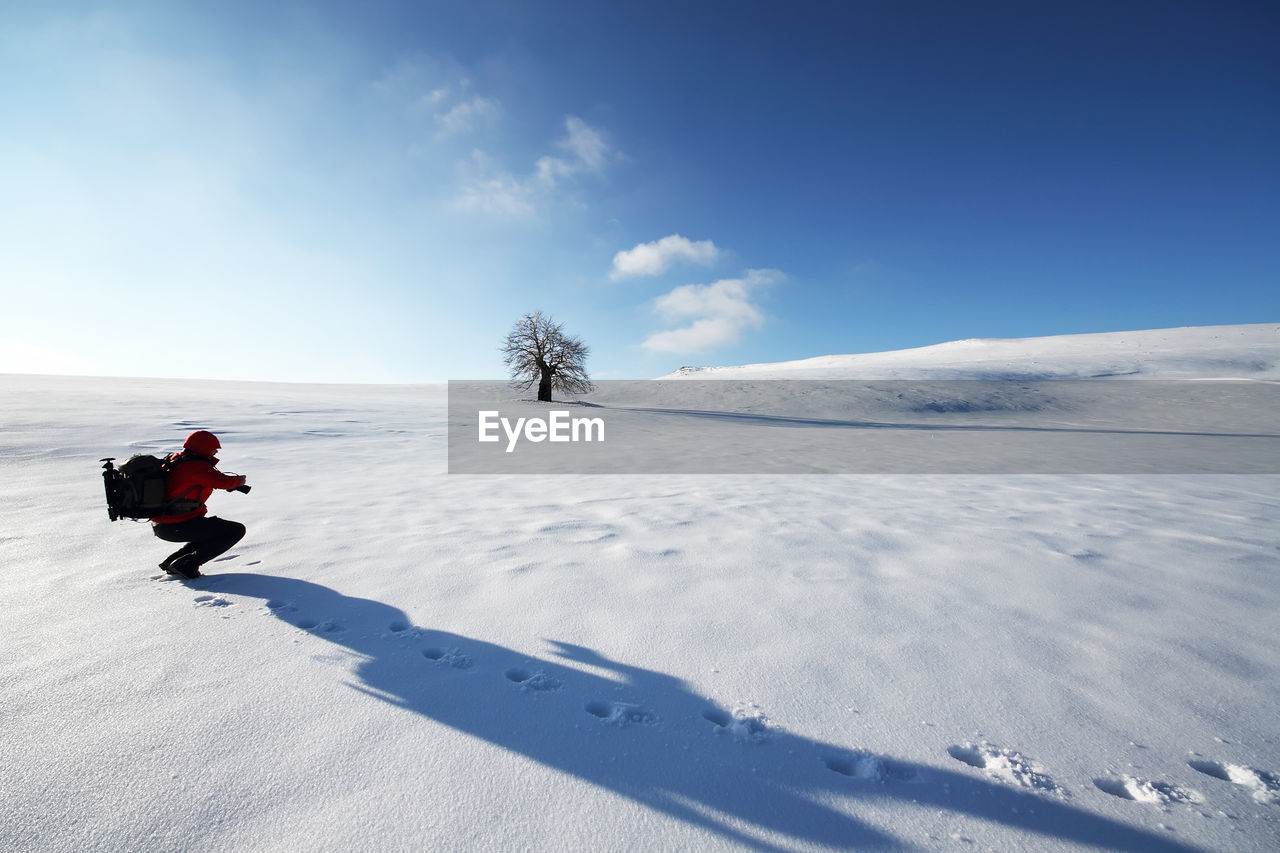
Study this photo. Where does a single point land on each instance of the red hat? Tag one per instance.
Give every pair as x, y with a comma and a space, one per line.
202, 442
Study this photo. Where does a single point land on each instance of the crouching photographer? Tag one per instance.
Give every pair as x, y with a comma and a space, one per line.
193, 477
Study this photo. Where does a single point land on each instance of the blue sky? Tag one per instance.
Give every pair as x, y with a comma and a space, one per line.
375, 192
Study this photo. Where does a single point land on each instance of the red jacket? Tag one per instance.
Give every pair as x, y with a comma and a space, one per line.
195, 478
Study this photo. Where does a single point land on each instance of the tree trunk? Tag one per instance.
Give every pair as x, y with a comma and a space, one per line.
544, 387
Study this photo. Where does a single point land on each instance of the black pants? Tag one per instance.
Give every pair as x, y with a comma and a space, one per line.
206, 538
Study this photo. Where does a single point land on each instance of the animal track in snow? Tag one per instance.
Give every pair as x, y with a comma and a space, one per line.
1265, 786
622, 713
401, 630
872, 768
1147, 791
211, 601
747, 723
328, 626
448, 657
1006, 765
535, 680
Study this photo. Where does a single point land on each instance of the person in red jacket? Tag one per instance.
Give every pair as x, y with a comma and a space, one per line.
193, 475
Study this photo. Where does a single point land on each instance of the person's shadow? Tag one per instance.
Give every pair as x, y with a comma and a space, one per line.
648, 736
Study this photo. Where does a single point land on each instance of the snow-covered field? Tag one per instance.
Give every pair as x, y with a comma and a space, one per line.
1203, 352
396, 658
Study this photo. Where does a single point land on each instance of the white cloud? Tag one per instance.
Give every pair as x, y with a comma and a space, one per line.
503, 194
423, 86
434, 98
587, 150
654, 258
419, 81
499, 195
585, 144
464, 117
720, 312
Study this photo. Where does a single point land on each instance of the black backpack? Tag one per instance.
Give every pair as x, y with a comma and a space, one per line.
136, 489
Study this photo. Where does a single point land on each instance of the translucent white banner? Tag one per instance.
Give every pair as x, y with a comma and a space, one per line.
870, 427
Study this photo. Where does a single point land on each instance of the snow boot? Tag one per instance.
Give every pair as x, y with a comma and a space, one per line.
184, 567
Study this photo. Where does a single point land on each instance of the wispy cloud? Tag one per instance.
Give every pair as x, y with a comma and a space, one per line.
467, 116
424, 86
654, 258
717, 314
496, 192
439, 91
586, 149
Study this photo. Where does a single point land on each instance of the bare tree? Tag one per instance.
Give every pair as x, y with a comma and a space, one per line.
538, 352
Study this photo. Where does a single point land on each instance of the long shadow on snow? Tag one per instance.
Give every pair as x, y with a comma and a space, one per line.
835, 423
648, 736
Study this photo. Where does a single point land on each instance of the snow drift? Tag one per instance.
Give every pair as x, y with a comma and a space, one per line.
1194, 352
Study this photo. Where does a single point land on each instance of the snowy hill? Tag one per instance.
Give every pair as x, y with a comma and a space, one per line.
398, 658
1198, 352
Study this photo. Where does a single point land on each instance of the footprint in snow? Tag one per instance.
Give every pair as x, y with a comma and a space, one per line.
454, 658
279, 608
400, 629
747, 724
328, 626
1147, 791
532, 680
871, 768
621, 713
1007, 765
1265, 786
211, 601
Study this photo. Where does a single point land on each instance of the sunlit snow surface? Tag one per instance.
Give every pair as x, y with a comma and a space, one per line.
400, 659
